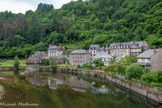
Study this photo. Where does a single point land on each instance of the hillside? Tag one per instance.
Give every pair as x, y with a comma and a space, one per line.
79, 24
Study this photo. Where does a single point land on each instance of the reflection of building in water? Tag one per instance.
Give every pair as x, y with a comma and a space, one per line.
54, 82
72, 81
36, 79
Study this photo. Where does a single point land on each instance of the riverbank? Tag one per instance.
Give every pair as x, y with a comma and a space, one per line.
11, 68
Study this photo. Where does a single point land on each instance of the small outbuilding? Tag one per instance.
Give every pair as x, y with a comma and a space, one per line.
103, 56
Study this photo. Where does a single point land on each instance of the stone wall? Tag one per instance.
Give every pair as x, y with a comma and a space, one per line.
10, 68
156, 61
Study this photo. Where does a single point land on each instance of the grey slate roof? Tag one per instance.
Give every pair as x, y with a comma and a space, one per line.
94, 47
53, 48
123, 45
137, 44
119, 57
107, 48
102, 55
148, 53
79, 52
37, 56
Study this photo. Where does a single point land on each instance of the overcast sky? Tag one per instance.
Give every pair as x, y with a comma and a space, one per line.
21, 6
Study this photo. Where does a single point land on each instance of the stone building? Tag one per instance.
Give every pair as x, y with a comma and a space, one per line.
94, 49
136, 48
78, 57
54, 50
128, 48
35, 59
117, 49
151, 59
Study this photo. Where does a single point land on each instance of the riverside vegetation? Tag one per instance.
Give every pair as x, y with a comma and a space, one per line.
79, 24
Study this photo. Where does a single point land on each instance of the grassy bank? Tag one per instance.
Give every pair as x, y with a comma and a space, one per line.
9, 63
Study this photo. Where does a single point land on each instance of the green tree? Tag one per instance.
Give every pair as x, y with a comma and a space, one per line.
45, 61
127, 60
134, 71
16, 64
53, 63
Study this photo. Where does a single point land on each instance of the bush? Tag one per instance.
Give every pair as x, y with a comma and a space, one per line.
16, 64
115, 68
134, 71
78, 66
100, 64
147, 77
157, 77
85, 65
45, 61
53, 63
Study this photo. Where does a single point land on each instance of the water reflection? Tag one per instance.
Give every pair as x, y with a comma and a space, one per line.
58, 80
99, 94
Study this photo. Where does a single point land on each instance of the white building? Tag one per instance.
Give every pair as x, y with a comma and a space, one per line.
54, 51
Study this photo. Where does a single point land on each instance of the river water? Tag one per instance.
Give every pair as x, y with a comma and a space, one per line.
55, 90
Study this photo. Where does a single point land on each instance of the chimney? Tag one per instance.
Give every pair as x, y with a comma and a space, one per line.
143, 42
50, 45
154, 49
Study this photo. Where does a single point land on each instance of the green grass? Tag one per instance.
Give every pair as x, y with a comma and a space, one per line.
7, 73
150, 39
74, 46
9, 63
1, 88
153, 83
156, 84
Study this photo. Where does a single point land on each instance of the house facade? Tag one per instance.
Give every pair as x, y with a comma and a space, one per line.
128, 48
54, 51
78, 57
151, 59
136, 48
117, 49
94, 49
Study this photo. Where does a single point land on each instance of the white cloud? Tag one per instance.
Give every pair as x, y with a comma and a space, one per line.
58, 3
15, 7
21, 6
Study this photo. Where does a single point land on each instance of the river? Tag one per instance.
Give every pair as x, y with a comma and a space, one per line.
55, 90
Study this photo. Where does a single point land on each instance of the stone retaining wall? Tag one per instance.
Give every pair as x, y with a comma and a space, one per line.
10, 68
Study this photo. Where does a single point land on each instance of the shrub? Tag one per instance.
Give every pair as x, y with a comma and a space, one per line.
16, 64
85, 64
157, 77
147, 77
115, 68
100, 64
134, 71
53, 63
78, 66
45, 61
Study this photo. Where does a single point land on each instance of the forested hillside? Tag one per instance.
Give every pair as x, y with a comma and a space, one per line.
94, 21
